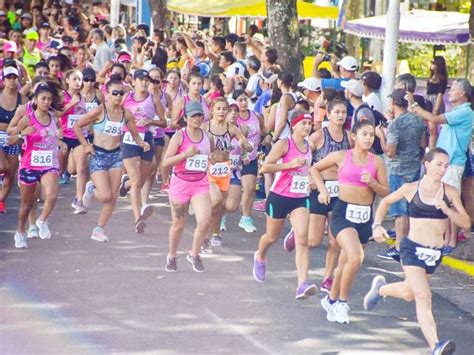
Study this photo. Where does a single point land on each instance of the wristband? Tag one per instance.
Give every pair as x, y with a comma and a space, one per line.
376, 226
413, 105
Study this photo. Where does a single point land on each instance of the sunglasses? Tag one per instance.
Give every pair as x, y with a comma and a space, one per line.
11, 77
155, 81
117, 92
91, 80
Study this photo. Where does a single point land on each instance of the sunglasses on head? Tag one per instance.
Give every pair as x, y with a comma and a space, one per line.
117, 92
89, 80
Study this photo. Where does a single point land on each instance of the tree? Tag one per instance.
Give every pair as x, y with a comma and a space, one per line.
471, 22
284, 36
159, 13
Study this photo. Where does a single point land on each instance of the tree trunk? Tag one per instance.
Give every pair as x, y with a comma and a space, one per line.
159, 13
471, 22
284, 36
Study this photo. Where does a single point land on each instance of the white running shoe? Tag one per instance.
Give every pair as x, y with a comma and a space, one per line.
88, 196
33, 232
340, 312
20, 240
146, 212
80, 209
44, 232
98, 235
223, 227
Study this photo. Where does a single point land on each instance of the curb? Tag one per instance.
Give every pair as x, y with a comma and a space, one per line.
463, 266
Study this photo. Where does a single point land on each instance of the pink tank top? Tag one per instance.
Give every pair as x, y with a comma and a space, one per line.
159, 132
194, 168
40, 149
253, 124
349, 173
71, 116
144, 109
294, 182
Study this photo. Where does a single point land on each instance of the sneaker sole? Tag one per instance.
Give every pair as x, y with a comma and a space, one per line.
147, 212
385, 257
371, 291
140, 227
99, 239
245, 228
325, 290
310, 291
196, 270
170, 270
289, 250
449, 349
79, 212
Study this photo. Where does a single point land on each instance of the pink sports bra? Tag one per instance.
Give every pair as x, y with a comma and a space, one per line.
349, 173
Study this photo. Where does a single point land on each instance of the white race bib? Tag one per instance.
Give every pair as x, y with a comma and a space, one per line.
128, 138
42, 158
234, 160
299, 184
90, 106
197, 163
3, 139
220, 169
72, 120
113, 128
429, 256
332, 187
357, 214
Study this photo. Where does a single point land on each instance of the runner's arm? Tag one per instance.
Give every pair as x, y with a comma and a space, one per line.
85, 121
130, 122
457, 212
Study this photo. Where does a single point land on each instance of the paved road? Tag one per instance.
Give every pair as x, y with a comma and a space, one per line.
73, 295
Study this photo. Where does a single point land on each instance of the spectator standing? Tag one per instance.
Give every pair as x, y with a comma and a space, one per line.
437, 83
103, 53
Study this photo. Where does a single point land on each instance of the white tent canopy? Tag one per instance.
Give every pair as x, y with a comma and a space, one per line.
417, 26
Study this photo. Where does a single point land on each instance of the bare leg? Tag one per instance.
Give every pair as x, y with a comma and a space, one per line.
82, 173
299, 219
202, 213
27, 198
49, 183
248, 195
179, 213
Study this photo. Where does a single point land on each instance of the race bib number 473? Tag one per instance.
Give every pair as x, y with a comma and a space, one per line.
197, 163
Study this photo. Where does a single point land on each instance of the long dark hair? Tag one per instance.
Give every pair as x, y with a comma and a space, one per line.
440, 72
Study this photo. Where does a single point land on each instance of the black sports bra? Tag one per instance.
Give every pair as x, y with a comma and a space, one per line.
418, 209
6, 115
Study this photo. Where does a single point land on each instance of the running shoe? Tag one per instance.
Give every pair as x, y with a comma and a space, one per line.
217, 241
80, 208
2, 207
373, 297
171, 264
246, 223
164, 188
289, 241
326, 285
223, 227
140, 226
88, 195
326, 304
195, 262
190, 210
462, 236
258, 269
206, 247
99, 235
446, 347
391, 234
123, 187
146, 212
64, 178
259, 206
20, 240
305, 290
33, 232
44, 232
339, 311
390, 254
447, 250
74, 203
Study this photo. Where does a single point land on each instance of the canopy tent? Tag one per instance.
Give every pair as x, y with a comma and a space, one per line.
246, 8
417, 26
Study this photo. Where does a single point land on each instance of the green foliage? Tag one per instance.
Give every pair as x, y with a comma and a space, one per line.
419, 59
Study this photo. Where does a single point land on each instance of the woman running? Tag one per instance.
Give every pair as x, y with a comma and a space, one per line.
220, 169
431, 205
91, 93
361, 174
188, 154
39, 162
256, 129
74, 109
105, 165
290, 159
137, 161
10, 99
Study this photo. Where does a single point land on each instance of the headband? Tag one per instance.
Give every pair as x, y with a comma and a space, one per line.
297, 119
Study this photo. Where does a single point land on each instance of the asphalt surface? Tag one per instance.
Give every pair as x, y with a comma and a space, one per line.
73, 295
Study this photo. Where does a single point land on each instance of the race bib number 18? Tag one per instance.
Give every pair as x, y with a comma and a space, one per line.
42, 158
299, 185
357, 214
197, 163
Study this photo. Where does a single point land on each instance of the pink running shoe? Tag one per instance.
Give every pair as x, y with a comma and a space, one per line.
259, 206
326, 285
164, 188
289, 241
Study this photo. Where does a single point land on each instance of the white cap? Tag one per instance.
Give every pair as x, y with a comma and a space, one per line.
348, 63
258, 37
9, 71
312, 84
354, 86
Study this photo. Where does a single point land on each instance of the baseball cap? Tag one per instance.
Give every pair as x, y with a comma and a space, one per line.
312, 84
10, 46
27, 15
258, 37
193, 108
124, 57
372, 79
88, 73
348, 63
10, 71
141, 74
45, 25
354, 86
56, 43
398, 97
232, 102
32, 35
